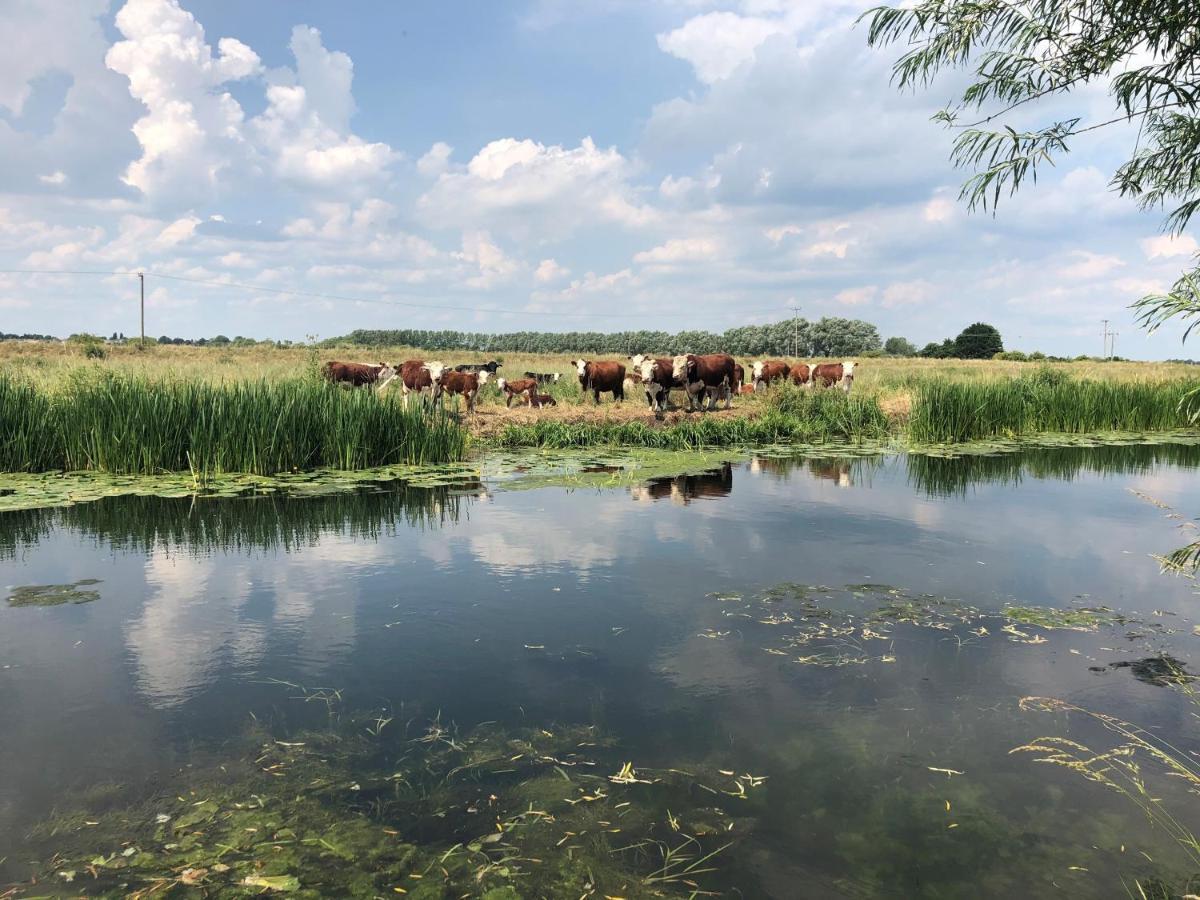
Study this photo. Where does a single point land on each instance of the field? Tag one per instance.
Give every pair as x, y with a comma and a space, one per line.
261, 409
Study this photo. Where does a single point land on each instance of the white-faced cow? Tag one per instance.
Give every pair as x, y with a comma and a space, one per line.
829, 374
800, 374
658, 377
417, 376
520, 388
466, 384
710, 374
596, 378
769, 370
357, 374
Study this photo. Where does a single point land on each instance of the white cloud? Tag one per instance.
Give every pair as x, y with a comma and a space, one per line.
548, 189
1089, 265
939, 209
827, 248
1169, 246
717, 43
57, 179
856, 296
549, 270
679, 250
436, 160
906, 293
493, 265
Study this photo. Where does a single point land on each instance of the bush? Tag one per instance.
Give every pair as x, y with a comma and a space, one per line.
1011, 356
978, 341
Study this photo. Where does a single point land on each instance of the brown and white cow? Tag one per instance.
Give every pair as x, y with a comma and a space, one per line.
520, 387
537, 400
658, 377
596, 378
800, 374
357, 374
828, 374
416, 376
466, 384
766, 371
710, 374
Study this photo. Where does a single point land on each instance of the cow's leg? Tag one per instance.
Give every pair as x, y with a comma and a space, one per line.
728, 395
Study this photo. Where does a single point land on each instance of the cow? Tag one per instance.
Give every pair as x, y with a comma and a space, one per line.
799, 374
710, 374
596, 378
682, 489
416, 375
739, 377
658, 377
544, 377
828, 374
489, 367
357, 374
522, 387
746, 389
536, 399
465, 383
769, 370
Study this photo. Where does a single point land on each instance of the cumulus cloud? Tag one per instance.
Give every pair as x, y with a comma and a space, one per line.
717, 43
1169, 246
552, 190
436, 160
549, 271
679, 250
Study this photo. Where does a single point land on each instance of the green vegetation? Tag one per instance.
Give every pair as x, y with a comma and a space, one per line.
130, 424
54, 594
947, 412
827, 337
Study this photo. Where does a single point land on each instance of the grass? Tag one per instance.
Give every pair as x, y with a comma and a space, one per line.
130, 423
945, 411
263, 410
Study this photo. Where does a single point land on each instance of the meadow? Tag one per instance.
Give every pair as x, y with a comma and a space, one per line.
264, 410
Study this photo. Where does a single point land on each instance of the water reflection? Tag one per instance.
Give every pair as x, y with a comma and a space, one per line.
842, 471
683, 489
270, 522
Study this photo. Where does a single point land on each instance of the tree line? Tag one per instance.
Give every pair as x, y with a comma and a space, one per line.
794, 337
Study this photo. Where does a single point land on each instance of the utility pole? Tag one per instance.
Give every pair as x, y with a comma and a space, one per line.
142, 285
1104, 353
795, 330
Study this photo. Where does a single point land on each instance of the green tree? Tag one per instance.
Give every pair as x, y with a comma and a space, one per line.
978, 341
1023, 52
898, 346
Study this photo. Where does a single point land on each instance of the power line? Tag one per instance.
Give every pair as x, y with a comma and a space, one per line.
321, 295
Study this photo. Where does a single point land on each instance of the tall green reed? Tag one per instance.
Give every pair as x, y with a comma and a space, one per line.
131, 424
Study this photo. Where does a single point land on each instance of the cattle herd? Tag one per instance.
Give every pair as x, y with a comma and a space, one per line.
709, 378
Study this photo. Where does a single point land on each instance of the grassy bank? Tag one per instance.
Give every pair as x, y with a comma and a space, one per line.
945, 411
133, 424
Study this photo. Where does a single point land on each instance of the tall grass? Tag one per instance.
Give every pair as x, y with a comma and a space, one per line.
131, 424
790, 416
950, 411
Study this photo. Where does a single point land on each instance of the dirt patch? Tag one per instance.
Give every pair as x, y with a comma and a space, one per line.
490, 420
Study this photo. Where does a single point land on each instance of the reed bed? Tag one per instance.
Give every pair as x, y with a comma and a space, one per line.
131, 424
946, 411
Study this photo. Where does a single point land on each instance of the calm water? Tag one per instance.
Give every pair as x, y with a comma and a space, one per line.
639, 612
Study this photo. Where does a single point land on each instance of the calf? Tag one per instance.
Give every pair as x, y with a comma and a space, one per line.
522, 387
770, 370
465, 383
596, 378
710, 374
536, 400
799, 374
658, 377
544, 377
357, 374
828, 374
416, 375
489, 367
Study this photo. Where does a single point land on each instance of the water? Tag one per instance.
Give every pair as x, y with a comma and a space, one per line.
638, 614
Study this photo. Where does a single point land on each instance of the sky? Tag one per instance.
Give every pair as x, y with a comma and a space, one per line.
535, 165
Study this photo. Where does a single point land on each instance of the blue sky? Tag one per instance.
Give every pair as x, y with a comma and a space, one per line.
532, 165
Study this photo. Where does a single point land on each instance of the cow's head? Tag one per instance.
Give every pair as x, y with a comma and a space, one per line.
483, 377
847, 375
493, 366
648, 368
635, 362
500, 383
681, 367
437, 372
581, 367
758, 370
386, 375
557, 375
